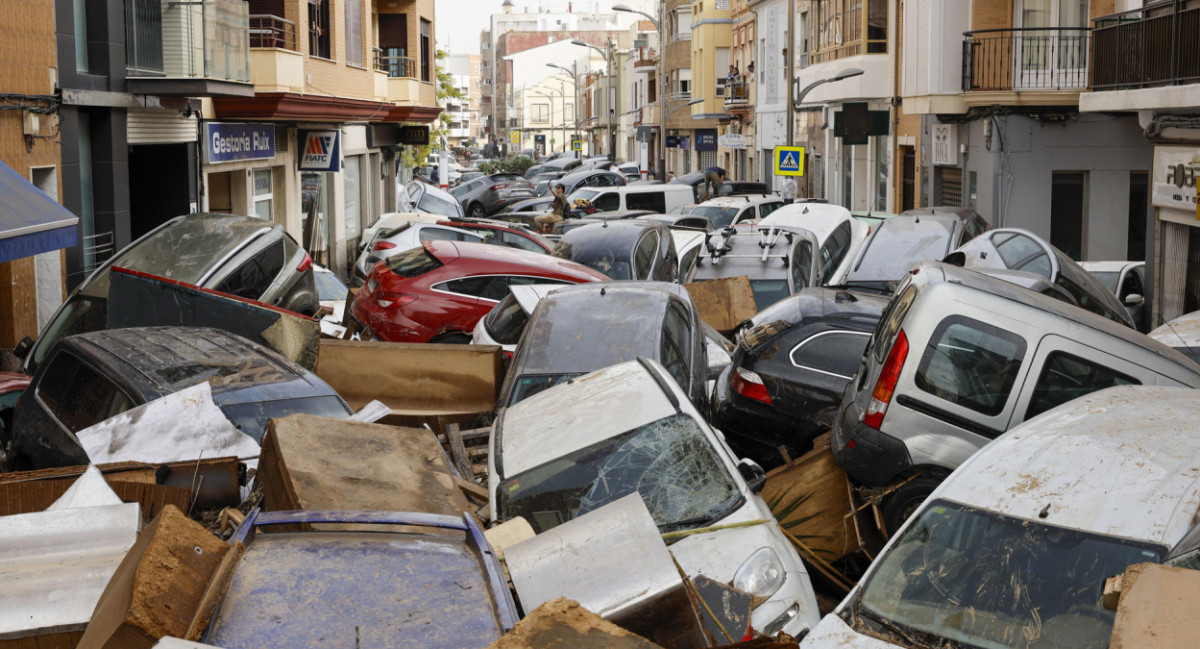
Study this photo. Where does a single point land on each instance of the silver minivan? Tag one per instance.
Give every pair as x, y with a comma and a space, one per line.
959, 358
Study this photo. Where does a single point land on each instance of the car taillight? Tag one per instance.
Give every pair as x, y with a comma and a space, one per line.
387, 299
383, 245
881, 396
750, 385
305, 264
508, 355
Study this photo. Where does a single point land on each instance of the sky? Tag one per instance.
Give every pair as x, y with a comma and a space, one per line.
458, 22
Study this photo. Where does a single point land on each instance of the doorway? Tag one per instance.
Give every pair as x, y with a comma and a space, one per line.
1139, 190
162, 180
1068, 205
908, 175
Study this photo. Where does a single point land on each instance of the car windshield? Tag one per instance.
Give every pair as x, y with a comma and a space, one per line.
768, 291
431, 204
981, 579
670, 463
897, 246
251, 418
531, 384
718, 216
329, 287
585, 194
506, 322
1108, 279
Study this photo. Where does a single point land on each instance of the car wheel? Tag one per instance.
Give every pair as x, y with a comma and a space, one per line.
456, 338
477, 211
901, 503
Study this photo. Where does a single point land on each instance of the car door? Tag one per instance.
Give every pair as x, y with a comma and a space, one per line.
678, 355
252, 277
813, 371
645, 255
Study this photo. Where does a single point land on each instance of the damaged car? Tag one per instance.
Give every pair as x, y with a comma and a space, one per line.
777, 262
1013, 549
630, 429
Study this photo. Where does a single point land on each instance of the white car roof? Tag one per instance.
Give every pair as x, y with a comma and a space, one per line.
602, 404
1124, 462
528, 295
1183, 331
819, 218
1108, 266
741, 200
390, 220
686, 240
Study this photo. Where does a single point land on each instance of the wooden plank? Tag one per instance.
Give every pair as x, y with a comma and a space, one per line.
471, 489
811, 498
723, 304
458, 453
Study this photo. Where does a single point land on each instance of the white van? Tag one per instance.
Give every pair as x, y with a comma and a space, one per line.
659, 199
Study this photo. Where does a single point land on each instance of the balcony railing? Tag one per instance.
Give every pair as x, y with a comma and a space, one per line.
1138, 49
1053, 58
390, 61
737, 93
191, 39
268, 31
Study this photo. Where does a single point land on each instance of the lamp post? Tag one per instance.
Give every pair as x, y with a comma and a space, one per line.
609, 94
662, 81
844, 74
574, 72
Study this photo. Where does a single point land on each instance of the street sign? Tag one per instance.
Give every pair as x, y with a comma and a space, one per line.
514, 137
577, 144
414, 135
789, 161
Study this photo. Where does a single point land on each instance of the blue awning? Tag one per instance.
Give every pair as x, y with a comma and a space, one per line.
30, 221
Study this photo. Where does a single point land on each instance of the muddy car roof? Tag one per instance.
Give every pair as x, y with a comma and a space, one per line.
817, 302
1065, 466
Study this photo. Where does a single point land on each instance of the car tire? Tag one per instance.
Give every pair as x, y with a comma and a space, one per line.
455, 338
477, 211
901, 503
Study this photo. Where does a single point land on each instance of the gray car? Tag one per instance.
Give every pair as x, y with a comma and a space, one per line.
420, 196
487, 195
622, 250
958, 358
777, 263
579, 329
241, 255
901, 242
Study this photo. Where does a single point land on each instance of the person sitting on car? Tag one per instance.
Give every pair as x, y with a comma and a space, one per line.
558, 209
713, 177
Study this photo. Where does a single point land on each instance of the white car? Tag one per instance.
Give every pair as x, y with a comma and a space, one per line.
577, 446
688, 244
404, 235
841, 235
1126, 280
332, 294
731, 210
505, 322
1013, 549
1181, 334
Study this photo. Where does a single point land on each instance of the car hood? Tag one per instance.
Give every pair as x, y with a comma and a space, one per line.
833, 633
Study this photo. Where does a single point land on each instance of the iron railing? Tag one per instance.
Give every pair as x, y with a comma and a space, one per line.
188, 39
1029, 58
390, 60
1146, 48
272, 32
737, 93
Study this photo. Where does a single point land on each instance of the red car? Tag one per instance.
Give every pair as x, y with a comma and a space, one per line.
438, 292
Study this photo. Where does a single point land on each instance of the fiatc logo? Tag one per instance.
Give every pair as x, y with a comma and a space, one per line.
320, 151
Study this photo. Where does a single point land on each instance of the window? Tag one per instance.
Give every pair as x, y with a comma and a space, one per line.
1020, 252
426, 51
802, 265
517, 241
79, 14
443, 234
677, 340
412, 263
318, 29
654, 201
1066, 377
477, 287
765, 209
354, 28
837, 353
262, 194
541, 113
607, 202
971, 364
252, 278
834, 250
77, 395
643, 255
840, 28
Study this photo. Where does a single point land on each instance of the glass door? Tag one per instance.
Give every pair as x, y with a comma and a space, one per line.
1051, 44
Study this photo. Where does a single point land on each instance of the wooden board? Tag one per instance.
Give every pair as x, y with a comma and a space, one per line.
311, 462
1157, 609
817, 481
203, 484
723, 304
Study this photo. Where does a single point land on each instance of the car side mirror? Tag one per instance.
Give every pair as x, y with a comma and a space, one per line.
753, 474
1134, 299
23, 347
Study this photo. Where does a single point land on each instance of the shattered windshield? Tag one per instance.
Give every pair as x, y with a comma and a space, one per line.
979, 579
669, 462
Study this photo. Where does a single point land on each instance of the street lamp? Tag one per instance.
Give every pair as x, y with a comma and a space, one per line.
608, 90
840, 76
662, 79
573, 71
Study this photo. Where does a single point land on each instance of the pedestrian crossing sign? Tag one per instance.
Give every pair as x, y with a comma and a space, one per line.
577, 144
789, 161
514, 137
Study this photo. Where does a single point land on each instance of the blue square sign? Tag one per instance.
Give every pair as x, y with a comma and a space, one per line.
789, 161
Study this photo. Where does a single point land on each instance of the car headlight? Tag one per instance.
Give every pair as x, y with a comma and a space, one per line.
760, 575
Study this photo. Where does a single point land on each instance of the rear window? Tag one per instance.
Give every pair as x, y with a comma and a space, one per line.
506, 322
889, 322
1066, 377
1020, 252
971, 364
436, 205
412, 263
768, 291
719, 217
77, 395
898, 245
838, 353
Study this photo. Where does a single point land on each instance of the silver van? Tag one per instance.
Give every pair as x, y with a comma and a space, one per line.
959, 358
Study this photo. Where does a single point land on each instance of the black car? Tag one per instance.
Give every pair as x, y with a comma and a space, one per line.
91, 377
789, 371
623, 250
580, 329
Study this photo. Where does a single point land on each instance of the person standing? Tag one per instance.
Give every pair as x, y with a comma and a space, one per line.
789, 190
713, 177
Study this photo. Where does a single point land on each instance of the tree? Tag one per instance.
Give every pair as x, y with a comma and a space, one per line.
414, 157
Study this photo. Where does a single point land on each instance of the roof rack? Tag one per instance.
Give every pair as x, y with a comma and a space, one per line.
717, 244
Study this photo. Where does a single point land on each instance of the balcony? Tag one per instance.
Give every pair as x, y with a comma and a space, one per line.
276, 65
189, 49
1138, 49
1025, 66
737, 95
404, 86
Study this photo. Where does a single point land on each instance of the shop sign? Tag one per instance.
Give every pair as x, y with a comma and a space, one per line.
320, 150
733, 141
706, 139
672, 141
945, 144
1174, 179
228, 142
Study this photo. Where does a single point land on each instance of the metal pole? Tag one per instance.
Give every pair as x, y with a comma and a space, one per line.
610, 99
789, 66
662, 97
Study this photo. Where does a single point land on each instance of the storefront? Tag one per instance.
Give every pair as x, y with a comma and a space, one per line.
1177, 231
245, 169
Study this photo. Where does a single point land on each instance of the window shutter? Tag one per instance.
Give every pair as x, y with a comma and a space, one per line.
354, 48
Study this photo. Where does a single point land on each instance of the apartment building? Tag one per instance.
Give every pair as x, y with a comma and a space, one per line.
1144, 67
711, 30
997, 86
676, 66
315, 146
735, 142
545, 114
469, 68
638, 113
34, 228
768, 86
